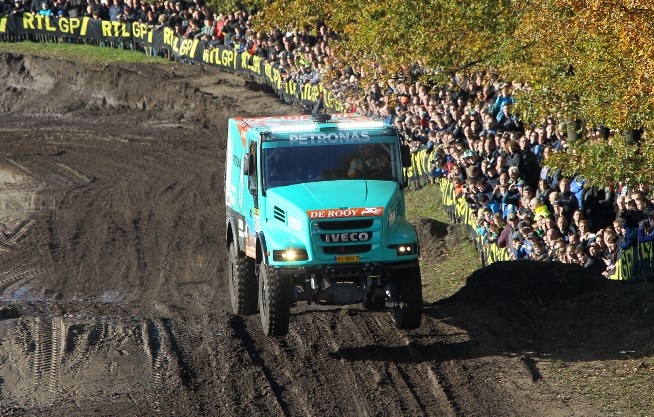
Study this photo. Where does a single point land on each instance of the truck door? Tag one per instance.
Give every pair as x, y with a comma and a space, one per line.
251, 201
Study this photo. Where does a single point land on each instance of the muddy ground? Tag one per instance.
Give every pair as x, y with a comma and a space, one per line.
112, 285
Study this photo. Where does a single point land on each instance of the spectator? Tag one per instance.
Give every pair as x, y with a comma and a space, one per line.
543, 191
540, 252
508, 197
115, 10
519, 251
46, 10
628, 237
646, 229
128, 14
585, 235
577, 216
19, 9
504, 240
570, 256
564, 227
491, 174
567, 198
630, 213
515, 178
551, 237
611, 254
558, 253
599, 240
193, 29
513, 154
593, 264
37, 5
530, 166
546, 173
502, 99
538, 207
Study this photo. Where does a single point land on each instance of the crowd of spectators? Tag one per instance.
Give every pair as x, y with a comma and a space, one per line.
495, 162
300, 55
468, 126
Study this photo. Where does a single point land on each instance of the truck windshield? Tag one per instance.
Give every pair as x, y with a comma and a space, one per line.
298, 164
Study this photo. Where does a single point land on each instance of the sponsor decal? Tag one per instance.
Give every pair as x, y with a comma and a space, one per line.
329, 138
345, 212
346, 237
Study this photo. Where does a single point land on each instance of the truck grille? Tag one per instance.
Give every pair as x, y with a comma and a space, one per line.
346, 224
345, 236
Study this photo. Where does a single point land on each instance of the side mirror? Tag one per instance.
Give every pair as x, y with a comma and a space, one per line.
406, 155
246, 167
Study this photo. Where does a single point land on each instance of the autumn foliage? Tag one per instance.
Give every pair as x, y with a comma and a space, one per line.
583, 60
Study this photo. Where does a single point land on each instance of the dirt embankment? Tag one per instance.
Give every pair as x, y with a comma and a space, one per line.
112, 289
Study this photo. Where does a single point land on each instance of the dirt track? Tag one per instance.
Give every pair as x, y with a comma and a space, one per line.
112, 283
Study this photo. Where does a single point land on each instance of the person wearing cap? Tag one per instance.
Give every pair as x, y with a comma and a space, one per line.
504, 239
490, 173
471, 162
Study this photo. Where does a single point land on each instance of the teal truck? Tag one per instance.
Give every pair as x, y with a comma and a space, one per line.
315, 212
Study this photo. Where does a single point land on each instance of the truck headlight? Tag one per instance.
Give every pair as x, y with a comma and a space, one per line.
405, 249
290, 254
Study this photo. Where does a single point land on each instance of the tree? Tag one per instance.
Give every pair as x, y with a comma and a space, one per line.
587, 60
593, 60
390, 36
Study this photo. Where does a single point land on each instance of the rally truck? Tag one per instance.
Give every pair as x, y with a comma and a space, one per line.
315, 212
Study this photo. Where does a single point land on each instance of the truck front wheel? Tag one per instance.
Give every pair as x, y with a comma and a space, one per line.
274, 301
242, 282
407, 311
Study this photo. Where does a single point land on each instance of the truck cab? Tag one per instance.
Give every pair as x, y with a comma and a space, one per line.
315, 213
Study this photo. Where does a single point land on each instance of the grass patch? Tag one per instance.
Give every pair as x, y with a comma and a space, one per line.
445, 274
617, 387
88, 54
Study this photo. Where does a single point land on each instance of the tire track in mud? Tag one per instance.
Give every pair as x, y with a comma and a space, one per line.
41, 339
14, 281
54, 354
346, 362
268, 384
409, 370
375, 344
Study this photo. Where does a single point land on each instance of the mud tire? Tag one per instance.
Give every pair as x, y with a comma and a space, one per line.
407, 310
242, 282
274, 301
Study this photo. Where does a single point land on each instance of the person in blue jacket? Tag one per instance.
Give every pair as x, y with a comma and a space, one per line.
646, 229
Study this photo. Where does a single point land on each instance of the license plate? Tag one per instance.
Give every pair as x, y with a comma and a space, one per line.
347, 258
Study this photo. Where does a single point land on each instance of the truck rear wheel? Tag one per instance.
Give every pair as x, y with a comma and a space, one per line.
407, 311
274, 301
242, 282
